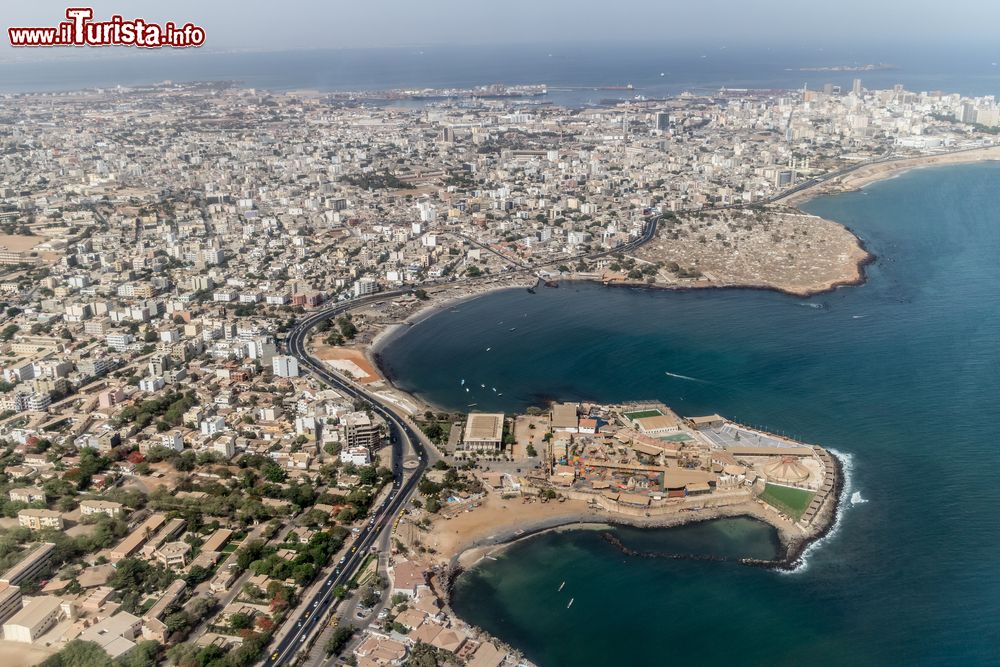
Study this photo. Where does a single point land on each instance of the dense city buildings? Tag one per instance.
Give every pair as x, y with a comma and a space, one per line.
200, 454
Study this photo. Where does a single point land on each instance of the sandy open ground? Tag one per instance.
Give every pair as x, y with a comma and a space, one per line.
497, 520
348, 361
470, 536
16, 654
18, 243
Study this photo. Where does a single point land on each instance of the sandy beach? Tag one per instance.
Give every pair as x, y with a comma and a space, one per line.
443, 298
471, 536
871, 173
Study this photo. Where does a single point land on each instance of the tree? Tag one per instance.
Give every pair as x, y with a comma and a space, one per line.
177, 622
143, 655
368, 597
339, 639
368, 475
240, 621
79, 653
183, 655
201, 606
433, 431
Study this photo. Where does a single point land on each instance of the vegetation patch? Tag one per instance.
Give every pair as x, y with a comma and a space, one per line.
642, 414
792, 502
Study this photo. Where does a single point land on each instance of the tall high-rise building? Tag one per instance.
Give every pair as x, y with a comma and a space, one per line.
662, 121
856, 87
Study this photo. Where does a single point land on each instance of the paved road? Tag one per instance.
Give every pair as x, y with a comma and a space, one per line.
403, 437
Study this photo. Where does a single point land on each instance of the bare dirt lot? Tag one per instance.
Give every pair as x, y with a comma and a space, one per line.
349, 361
19, 243
16, 654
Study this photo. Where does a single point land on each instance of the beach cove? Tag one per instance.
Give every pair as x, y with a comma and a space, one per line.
886, 372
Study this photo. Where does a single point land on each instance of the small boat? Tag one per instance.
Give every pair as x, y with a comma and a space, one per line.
561, 586
513, 328
463, 382
483, 386
570, 603
472, 405
500, 394
488, 349
494, 389
466, 390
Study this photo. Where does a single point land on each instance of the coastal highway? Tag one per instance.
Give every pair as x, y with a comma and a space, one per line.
402, 436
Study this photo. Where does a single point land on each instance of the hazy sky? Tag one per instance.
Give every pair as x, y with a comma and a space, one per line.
285, 24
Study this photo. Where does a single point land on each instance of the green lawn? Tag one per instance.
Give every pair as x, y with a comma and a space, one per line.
677, 437
792, 502
643, 413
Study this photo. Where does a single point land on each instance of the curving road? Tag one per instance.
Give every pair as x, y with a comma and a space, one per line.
403, 437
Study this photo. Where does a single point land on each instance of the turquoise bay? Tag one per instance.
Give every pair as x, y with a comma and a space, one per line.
901, 374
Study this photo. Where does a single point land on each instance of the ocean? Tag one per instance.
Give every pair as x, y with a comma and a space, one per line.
572, 71
901, 375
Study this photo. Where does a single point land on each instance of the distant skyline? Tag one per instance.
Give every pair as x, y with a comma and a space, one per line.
259, 25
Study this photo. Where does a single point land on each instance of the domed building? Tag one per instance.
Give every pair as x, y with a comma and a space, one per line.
787, 469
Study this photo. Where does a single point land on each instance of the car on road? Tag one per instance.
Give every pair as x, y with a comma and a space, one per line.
274, 656
384, 614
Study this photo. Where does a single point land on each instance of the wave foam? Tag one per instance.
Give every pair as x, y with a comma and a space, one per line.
846, 491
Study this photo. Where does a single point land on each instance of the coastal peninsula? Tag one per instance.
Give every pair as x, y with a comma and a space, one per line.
776, 248
638, 464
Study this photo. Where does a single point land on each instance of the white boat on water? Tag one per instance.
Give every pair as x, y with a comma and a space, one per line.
570, 603
561, 586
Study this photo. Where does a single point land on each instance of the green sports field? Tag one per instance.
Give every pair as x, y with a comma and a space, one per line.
643, 413
792, 502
